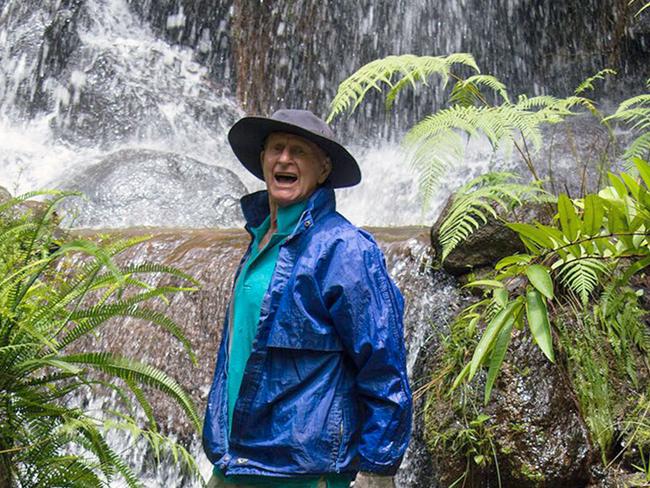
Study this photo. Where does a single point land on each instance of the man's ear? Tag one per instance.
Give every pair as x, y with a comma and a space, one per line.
326, 170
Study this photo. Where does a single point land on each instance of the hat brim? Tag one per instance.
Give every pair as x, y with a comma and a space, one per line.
247, 138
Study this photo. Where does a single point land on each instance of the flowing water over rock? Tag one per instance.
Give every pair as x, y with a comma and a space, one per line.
82, 79
212, 257
144, 187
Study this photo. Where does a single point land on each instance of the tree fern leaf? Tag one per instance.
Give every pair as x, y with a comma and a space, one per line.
144, 403
90, 319
588, 84
639, 148
491, 82
380, 73
135, 371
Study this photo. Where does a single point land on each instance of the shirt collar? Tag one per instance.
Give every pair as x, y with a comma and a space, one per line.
288, 218
255, 206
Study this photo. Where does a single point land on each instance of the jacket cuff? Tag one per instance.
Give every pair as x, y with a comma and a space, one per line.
366, 466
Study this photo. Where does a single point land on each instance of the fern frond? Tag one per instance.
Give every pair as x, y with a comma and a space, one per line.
639, 148
431, 160
158, 443
440, 136
646, 6
478, 200
582, 275
90, 319
638, 101
136, 371
588, 84
490, 82
395, 73
467, 93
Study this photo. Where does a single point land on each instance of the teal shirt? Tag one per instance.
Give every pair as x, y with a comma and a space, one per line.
250, 288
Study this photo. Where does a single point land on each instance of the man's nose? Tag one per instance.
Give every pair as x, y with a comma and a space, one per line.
285, 156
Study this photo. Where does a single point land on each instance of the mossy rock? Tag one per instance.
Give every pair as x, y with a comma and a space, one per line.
490, 243
531, 425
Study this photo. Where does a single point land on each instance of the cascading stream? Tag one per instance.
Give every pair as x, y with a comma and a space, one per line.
212, 256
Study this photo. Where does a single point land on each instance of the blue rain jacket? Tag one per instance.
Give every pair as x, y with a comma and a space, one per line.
325, 389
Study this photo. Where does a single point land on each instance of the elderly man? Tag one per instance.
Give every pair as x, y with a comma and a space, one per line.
310, 386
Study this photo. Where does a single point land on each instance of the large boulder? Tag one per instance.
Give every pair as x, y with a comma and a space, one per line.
537, 434
490, 242
152, 188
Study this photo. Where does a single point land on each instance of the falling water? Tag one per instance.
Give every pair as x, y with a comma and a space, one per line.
80, 81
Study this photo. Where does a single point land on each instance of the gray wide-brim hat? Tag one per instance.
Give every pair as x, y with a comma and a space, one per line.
247, 138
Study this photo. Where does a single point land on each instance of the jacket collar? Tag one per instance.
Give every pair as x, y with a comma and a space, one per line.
255, 206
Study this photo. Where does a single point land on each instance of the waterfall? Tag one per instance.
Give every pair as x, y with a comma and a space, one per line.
82, 80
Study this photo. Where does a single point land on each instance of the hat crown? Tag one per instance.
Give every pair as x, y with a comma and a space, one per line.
304, 119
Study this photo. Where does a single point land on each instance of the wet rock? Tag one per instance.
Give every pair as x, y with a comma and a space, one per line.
538, 437
144, 187
490, 242
4, 194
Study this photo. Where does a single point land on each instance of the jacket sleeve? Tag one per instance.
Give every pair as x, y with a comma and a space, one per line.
367, 309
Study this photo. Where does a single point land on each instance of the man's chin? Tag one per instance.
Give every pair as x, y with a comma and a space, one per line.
284, 199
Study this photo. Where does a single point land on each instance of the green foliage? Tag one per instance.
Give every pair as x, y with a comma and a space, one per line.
583, 260
438, 142
635, 114
589, 240
396, 73
591, 377
455, 425
481, 198
53, 292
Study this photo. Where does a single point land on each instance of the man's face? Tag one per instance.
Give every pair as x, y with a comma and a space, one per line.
293, 168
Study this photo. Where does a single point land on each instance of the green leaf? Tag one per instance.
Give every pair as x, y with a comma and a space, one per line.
538, 322
631, 184
635, 268
568, 218
499, 352
514, 259
485, 283
540, 277
593, 215
618, 185
461, 376
533, 233
616, 221
500, 296
486, 343
644, 170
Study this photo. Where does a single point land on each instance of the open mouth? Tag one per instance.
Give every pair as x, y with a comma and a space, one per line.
285, 178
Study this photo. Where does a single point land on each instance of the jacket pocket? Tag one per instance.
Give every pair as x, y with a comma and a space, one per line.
301, 333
